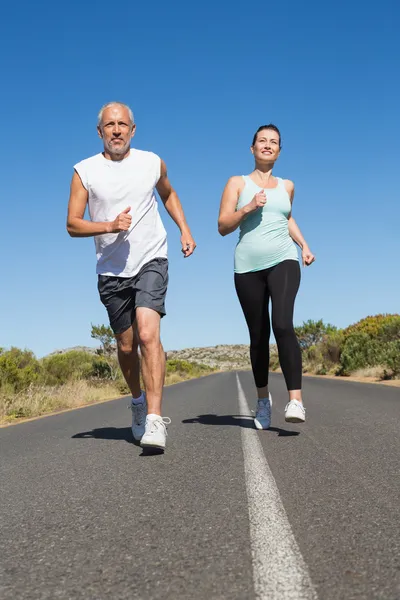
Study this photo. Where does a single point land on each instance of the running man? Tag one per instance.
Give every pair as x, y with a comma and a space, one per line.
118, 185
267, 268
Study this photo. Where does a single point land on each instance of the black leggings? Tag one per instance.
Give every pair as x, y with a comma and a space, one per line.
254, 289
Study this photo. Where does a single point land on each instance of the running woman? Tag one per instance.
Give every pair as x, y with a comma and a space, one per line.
118, 186
267, 268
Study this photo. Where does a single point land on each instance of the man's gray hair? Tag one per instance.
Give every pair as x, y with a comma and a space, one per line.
103, 108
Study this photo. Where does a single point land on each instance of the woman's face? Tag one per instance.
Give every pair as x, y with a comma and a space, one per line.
266, 149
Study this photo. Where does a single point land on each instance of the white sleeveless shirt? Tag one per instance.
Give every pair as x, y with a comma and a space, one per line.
113, 186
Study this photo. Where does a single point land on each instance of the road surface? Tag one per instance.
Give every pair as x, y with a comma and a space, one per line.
296, 512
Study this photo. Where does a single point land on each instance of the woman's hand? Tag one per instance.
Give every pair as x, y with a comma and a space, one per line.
307, 256
259, 200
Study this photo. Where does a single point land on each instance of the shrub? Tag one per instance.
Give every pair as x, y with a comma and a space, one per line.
378, 326
18, 369
359, 350
311, 333
184, 366
371, 342
391, 330
102, 369
72, 365
331, 347
391, 357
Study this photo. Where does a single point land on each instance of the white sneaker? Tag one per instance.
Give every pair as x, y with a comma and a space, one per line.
295, 412
262, 419
139, 413
155, 435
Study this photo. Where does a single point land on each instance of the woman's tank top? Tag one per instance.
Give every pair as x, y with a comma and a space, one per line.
264, 239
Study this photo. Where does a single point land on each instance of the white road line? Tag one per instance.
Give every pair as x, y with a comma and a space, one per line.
279, 570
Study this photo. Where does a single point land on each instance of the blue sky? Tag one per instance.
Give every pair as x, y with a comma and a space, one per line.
200, 78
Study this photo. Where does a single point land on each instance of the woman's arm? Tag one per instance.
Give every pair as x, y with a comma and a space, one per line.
229, 218
294, 230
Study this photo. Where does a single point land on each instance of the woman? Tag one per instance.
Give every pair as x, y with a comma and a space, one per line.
267, 267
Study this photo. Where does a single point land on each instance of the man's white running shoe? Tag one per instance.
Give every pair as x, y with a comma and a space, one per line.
139, 413
155, 435
262, 420
295, 412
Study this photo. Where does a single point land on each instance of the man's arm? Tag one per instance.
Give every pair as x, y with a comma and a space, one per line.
77, 226
175, 210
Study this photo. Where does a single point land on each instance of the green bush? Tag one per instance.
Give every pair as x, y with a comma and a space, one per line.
102, 369
378, 326
311, 333
373, 341
359, 351
75, 364
391, 357
184, 366
18, 369
391, 330
331, 347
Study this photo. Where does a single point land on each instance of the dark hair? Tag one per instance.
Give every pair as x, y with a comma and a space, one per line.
270, 126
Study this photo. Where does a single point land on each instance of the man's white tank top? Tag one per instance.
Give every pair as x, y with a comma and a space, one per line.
112, 187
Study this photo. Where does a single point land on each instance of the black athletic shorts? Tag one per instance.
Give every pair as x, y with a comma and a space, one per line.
123, 295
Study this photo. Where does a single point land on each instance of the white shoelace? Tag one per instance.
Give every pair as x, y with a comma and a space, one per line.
156, 423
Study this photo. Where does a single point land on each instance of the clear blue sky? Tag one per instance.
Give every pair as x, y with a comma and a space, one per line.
200, 78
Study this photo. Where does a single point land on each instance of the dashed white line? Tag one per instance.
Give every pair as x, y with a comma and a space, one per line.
279, 570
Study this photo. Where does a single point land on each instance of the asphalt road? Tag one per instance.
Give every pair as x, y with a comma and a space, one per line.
310, 511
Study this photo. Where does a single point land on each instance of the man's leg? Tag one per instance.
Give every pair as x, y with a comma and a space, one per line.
127, 344
153, 357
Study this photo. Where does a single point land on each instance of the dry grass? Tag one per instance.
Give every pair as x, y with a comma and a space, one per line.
358, 379
172, 378
39, 400
376, 373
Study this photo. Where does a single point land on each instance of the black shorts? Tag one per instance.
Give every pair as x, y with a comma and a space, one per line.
123, 295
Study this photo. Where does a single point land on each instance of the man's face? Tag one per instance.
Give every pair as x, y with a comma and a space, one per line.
116, 130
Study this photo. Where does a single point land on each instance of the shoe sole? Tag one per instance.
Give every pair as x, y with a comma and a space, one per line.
294, 420
155, 446
137, 438
259, 426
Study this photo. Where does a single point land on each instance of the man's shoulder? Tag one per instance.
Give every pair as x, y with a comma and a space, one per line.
144, 155
91, 160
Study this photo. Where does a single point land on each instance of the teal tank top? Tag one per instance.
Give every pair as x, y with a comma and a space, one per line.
264, 239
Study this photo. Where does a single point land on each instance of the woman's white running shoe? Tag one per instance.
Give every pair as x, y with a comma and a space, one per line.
295, 412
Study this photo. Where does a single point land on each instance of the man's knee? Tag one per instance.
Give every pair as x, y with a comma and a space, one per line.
126, 346
147, 328
148, 336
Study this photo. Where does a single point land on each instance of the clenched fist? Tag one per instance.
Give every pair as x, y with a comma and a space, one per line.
122, 222
258, 201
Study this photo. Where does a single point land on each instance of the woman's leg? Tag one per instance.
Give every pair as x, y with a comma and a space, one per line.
252, 292
283, 285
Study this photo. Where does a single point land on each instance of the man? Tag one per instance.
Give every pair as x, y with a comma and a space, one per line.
131, 246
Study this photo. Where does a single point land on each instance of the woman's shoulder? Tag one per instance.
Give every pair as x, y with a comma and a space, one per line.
289, 186
236, 182
236, 179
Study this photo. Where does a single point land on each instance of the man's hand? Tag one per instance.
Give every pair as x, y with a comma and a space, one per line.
307, 256
188, 244
122, 222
